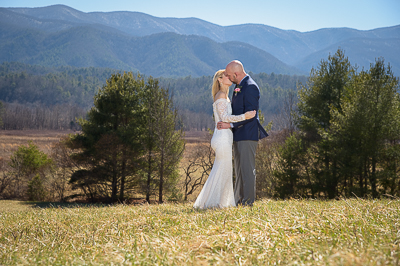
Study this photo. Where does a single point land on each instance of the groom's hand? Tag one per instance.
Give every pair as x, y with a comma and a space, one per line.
223, 125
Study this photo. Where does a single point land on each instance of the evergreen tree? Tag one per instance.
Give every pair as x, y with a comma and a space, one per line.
36, 191
26, 163
150, 99
325, 91
163, 142
367, 129
291, 171
109, 145
130, 131
168, 141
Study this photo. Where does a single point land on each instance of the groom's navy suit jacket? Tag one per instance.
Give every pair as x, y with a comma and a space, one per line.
247, 100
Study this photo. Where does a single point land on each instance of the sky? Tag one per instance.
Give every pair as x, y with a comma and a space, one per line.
300, 15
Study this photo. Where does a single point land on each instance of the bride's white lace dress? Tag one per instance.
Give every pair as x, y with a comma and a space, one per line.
217, 192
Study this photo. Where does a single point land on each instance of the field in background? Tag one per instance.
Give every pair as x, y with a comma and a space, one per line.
196, 136
10, 140
293, 232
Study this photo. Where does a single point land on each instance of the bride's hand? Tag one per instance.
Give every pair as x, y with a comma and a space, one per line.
250, 114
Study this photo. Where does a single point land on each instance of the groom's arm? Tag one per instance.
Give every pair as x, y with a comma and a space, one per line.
251, 99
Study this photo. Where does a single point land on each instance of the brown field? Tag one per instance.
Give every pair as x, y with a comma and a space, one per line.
10, 140
196, 136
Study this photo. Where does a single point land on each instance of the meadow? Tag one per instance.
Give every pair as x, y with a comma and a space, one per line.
10, 140
282, 232
272, 232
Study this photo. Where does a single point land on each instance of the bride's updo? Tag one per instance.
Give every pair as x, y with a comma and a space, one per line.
216, 86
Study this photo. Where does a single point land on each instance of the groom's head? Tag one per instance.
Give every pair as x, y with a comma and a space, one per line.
235, 71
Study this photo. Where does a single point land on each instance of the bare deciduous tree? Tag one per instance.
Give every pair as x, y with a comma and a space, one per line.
63, 170
17, 116
197, 168
5, 178
284, 120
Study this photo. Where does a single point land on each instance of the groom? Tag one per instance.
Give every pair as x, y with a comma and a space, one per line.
245, 133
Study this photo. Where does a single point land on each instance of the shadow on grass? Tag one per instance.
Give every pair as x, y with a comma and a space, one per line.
99, 204
44, 205
17, 205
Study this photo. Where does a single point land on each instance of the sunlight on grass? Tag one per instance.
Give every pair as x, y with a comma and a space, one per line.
305, 232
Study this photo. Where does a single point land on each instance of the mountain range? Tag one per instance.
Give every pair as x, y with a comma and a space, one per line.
59, 35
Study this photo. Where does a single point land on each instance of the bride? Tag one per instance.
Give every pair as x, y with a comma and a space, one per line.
217, 192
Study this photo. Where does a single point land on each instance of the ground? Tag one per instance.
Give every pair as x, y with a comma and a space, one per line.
293, 232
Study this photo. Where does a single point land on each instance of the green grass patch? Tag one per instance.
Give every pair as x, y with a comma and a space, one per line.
293, 232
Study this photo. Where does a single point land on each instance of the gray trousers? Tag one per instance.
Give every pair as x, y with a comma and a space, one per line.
244, 153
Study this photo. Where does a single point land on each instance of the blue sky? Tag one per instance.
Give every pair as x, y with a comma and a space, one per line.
300, 15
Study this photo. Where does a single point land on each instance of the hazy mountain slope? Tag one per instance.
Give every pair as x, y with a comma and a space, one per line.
295, 48
133, 23
364, 51
25, 21
164, 54
286, 45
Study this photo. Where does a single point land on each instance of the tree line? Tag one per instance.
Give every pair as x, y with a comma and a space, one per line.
38, 88
16, 116
347, 137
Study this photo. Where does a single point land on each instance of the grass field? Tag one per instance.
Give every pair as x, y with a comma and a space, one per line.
293, 232
10, 140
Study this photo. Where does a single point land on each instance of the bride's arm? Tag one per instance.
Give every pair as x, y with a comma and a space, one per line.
222, 109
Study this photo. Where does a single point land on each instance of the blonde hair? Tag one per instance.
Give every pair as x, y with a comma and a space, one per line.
216, 87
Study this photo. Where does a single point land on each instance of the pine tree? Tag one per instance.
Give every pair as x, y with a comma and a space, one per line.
366, 128
168, 140
109, 147
325, 91
26, 163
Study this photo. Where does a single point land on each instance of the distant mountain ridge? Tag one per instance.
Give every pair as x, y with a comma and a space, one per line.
51, 42
295, 49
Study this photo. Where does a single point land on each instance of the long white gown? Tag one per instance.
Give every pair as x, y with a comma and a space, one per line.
217, 192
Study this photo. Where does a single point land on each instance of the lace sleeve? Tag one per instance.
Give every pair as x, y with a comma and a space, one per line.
222, 109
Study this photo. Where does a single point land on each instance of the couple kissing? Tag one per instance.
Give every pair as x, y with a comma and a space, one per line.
237, 123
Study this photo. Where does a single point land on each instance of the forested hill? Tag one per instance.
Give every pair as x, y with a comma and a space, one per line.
302, 50
21, 83
57, 43
26, 84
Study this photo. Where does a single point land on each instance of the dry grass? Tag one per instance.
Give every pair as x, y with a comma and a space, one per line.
10, 140
196, 136
294, 232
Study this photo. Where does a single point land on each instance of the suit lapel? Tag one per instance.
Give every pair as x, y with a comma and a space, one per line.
242, 84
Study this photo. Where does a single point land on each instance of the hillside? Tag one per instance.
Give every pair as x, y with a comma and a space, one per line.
362, 51
44, 86
291, 47
163, 54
